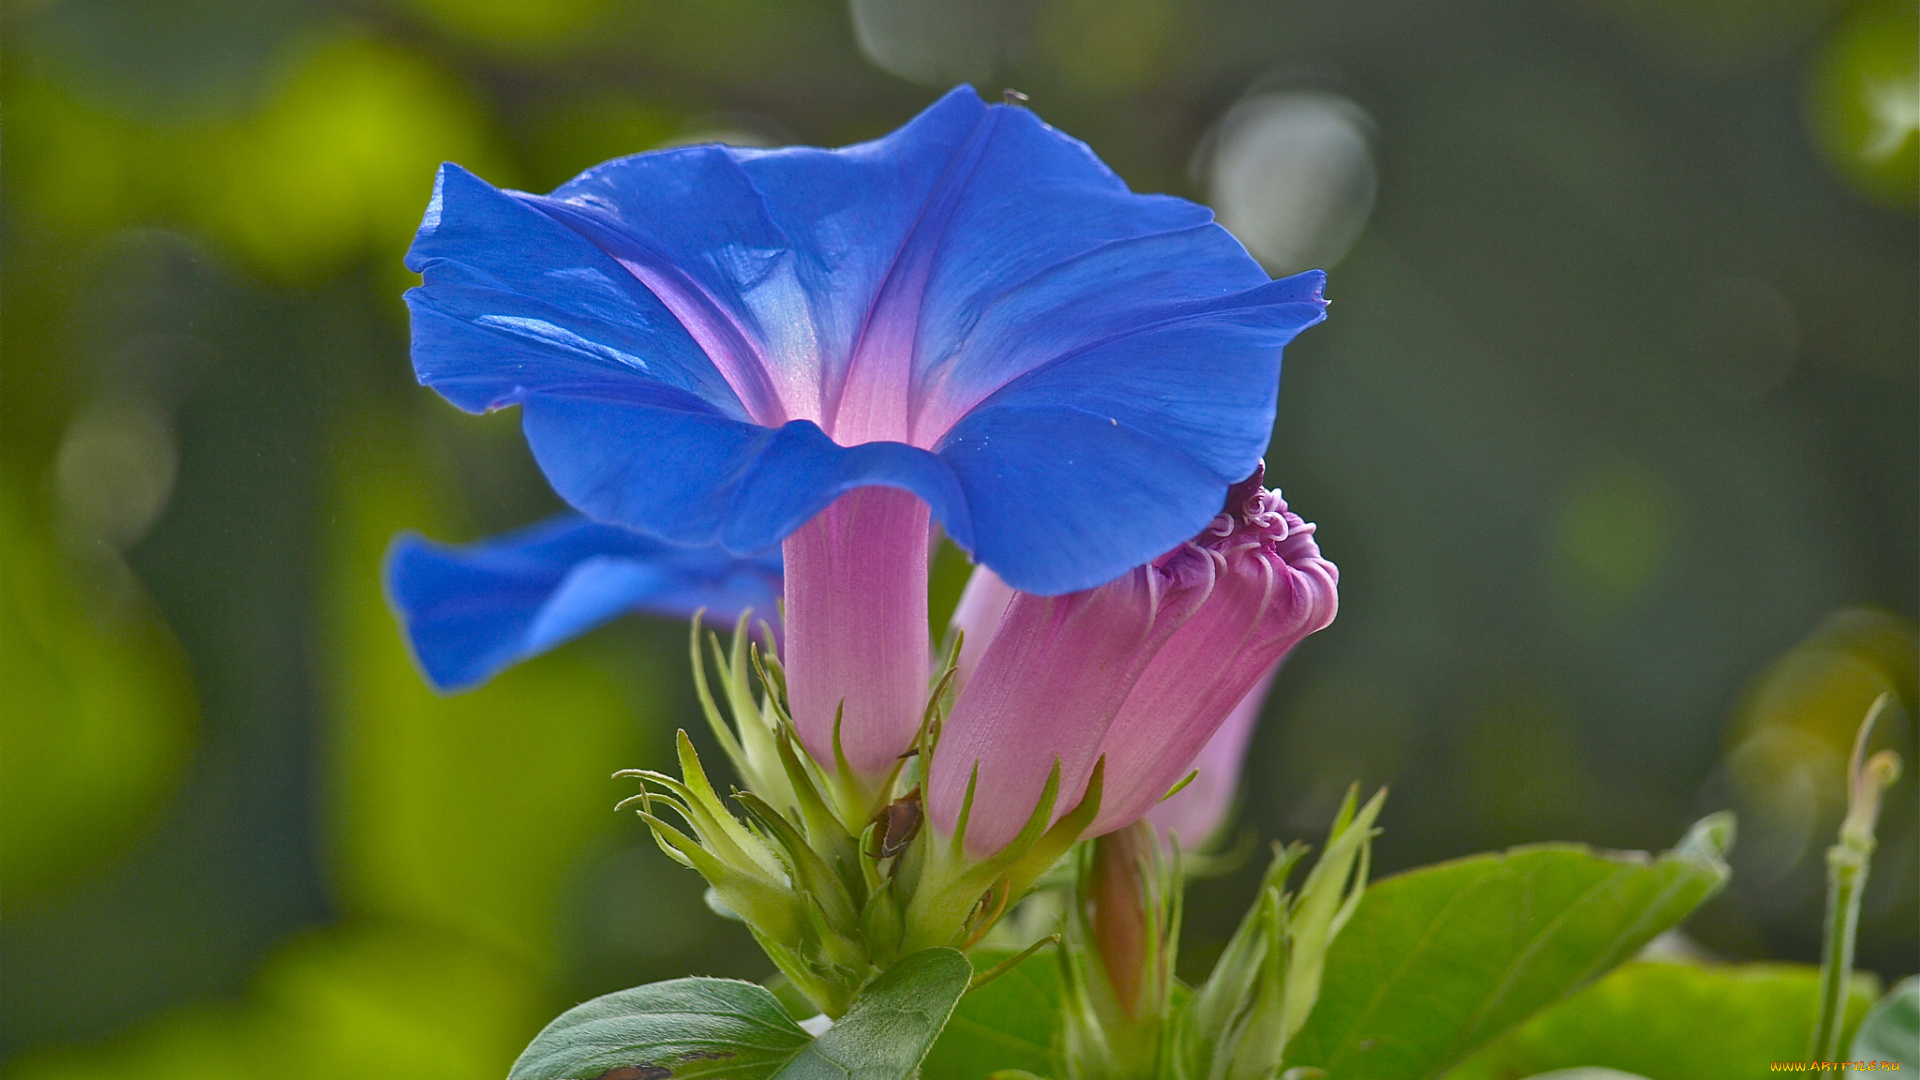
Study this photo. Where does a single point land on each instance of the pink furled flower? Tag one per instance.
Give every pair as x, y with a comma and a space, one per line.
1141, 671
1196, 812
1045, 689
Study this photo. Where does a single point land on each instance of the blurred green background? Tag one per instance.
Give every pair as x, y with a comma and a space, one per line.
1612, 432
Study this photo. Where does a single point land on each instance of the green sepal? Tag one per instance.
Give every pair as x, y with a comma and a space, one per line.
703, 691
826, 833
1046, 853
880, 924
768, 907
828, 990
952, 887
1212, 1009
1327, 900
816, 881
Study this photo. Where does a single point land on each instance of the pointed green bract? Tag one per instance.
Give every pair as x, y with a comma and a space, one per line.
957, 899
1239, 1023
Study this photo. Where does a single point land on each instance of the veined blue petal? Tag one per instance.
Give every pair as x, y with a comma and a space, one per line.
514, 305
1202, 378
774, 258
469, 611
1048, 514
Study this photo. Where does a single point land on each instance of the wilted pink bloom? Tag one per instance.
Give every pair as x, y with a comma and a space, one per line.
1141, 671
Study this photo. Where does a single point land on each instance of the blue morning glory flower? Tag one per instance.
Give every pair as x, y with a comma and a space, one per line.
470, 611
971, 321
711, 344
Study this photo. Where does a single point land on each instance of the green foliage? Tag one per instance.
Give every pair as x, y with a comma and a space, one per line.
1438, 961
1012, 1022
1669, 1021
99, 708
1240, 1022
367, 1002
469, 811
691, 1028
1891, 1031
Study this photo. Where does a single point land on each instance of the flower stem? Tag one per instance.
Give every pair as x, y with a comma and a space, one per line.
1847, 864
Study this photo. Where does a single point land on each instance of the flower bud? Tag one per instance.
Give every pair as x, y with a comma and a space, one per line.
1121, 936
1196, 813
1045, 690
1124, 902
1271, 589
1142, 671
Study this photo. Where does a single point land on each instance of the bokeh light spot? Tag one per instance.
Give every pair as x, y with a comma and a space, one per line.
341, 160
939, 42
1863, 102
100, 712
1614, 533
115, 470
1292, 175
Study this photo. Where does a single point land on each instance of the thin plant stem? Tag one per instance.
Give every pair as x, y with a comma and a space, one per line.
1847, 864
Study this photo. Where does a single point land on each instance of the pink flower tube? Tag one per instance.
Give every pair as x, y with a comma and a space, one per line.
1273, 589
1142, 671
856, 627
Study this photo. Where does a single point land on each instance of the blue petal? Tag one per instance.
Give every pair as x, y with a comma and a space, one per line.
1047, 513
706, 481
1203, 378
515, 305
1044, 251
470, 611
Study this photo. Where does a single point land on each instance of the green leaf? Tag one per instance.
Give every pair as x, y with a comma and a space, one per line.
722, 1028
1438, 961
681, 1029
1009, 1024
1666, 1021
891, 1024
1891, 1031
